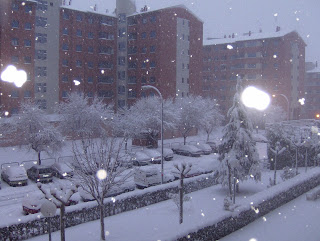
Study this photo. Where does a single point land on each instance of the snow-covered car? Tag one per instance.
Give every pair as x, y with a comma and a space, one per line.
187, 150
40, 173
214, 146
125, 160
14, 175
167, 153
62, 170
154, 154
32, 203
205, 148
140, 158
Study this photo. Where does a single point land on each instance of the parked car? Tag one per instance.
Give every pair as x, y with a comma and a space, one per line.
167, 153
214, 146
187, 150
125, 160
146, 176
15, 175
62, 170
205, 148
140, 158
155, 156
40, 173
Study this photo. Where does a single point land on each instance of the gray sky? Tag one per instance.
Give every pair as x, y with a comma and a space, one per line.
222, 17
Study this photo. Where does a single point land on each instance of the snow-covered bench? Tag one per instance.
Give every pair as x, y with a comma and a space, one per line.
313, 194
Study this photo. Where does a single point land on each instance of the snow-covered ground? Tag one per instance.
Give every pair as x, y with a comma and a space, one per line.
160, 221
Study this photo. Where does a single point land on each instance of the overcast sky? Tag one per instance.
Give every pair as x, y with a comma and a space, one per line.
222, 17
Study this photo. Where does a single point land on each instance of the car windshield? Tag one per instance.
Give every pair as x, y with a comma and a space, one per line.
44, 170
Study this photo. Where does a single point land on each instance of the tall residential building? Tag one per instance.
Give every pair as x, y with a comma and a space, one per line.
312, 92
108, 54
275, 62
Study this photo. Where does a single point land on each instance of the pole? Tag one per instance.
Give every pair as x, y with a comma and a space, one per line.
49, 227
275, 168
306, 160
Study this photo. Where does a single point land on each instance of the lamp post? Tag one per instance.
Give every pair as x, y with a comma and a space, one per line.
284, 96
145, 87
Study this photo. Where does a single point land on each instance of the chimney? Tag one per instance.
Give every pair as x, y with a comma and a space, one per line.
260, 30
316, 64
229, 36
249, 33
225, 36
277, 29
232, 35
70, 2
95, 7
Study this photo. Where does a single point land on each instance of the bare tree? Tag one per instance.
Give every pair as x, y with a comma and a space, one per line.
60, 196
182, 169
35, 130
98, 168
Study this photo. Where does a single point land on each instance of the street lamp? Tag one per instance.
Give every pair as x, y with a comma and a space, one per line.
145, 87
288, 118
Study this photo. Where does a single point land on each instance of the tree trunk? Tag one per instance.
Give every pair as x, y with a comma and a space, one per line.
62, 222
126, 145
208, 136
296, 160
181, 198
275, 170
184, 140
306, 161
39, 159
230, 182
234, 186
238, 187
102, 234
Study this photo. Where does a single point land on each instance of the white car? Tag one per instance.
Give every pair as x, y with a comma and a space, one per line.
187, 150
62, 170
140, 158
14, 175
205, 148
155, 155
167, 153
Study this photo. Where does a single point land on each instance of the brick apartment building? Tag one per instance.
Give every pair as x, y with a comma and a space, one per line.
274, 62
312, 91
110, 55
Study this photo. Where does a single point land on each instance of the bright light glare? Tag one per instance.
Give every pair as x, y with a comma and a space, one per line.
76, 82
12, 75
302, 100
102, 174
255, 98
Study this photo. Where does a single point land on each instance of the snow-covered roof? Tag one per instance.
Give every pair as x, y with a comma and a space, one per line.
175, 6
246, 37
315, 70
90, 9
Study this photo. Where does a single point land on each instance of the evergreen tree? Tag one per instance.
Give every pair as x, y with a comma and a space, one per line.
239, 157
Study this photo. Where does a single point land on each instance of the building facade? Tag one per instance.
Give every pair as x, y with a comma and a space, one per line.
312, 92
274, 62
110, 55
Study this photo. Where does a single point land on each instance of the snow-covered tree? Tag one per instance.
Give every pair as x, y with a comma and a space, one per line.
84, 117
35, 130
98, 169
212, 116
145, 117
60, 195
239, 157
191, 113
274, 114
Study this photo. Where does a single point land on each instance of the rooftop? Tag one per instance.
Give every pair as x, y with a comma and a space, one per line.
315, 70
246, 37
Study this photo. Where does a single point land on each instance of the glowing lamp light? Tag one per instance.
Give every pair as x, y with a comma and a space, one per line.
254, 98
102, 174
318, 115
76, 82
12, 75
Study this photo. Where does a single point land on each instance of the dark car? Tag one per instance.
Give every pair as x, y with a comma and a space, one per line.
39, 173
62, 170
187, 150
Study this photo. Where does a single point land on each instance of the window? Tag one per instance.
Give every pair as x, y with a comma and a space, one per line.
121, 90
90, 79
182, 80
65, 47
90, 65
65, 78
122, 32
122, 46
41, 38
27, 94
64, 94
143, 35
14, 94
15, 7
105, 79
153, 19
41, 22
132, 65
15, 24
105, 93
252, 55
27, 60
144, 50
27, 26
182, 65
41, 71
143, 65
122, 75
132, 50
122, 61
79, 33
132, 94
14, 59
132, 79
152, 64
65, 63
106, 21
252, 43
41, 54
90, 35
28, 8
153, 34
105, 50
152, 79
252, 76
90, 20
42, 5
143, 80
276, 65
65, 31
252, 66
79, 48
122, 18
152, 49
132, 36
27, 43
132, 21
144, 20
66, 16
105, 35
78, 63
105, 65
41, 87
15, 42
79, 17
90, 49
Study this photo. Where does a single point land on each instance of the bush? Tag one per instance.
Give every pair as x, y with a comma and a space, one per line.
287, 173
